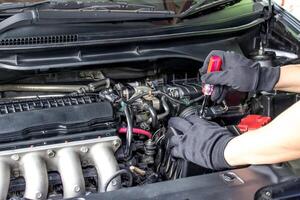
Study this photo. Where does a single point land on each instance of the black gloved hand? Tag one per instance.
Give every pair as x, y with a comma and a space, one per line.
238, 73
199, 141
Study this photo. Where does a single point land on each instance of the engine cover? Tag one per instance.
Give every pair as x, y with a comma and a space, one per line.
45, 119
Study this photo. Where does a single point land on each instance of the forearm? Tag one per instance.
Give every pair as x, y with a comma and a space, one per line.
276, 142
289, 80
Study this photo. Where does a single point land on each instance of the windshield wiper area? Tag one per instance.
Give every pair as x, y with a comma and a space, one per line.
48, 17
59, 12
74, 5
204, 5
21, 5
111, 5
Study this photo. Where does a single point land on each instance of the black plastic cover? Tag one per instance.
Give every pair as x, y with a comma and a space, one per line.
228, 185
55, 121
286, 190
274, 104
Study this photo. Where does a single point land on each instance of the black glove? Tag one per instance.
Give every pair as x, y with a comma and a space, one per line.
238, 73
199, 141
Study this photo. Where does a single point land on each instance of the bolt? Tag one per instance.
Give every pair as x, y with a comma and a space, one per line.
116, 143
81, 74
268, 194
84, 149
51, 153
38, 195
114, 182
15, 157
16, 173
77, 188
84, 163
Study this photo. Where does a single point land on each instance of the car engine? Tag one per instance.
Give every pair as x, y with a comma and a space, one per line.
69, 133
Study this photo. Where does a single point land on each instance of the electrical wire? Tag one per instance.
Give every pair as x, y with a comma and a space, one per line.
119, 173
196, 99
159, 139
136, 131
170, 98
155, 133
178, 101
129, 129
133, 99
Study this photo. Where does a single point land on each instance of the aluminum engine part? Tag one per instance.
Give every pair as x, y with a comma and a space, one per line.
34, 163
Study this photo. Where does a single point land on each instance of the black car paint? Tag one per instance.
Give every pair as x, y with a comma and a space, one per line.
128, 42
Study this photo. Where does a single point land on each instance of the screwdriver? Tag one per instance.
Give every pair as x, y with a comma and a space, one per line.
214, 65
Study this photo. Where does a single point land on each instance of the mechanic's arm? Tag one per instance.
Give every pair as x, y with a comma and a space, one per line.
289, 80
277, 142
212, 146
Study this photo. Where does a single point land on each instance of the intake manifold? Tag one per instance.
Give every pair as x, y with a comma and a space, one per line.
34, 163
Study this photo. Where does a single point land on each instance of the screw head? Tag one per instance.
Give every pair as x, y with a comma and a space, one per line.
268, 194
84, 149
15, 157
77, 188
50, 153
114, 182
16, 173
116, 143
38, 195
84, 163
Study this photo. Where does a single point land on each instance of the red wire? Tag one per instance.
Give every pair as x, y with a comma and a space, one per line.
136, 131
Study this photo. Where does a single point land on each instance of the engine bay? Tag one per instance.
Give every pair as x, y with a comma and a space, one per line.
87, 90
69, 133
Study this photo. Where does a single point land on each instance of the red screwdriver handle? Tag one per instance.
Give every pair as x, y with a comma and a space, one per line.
214, 65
